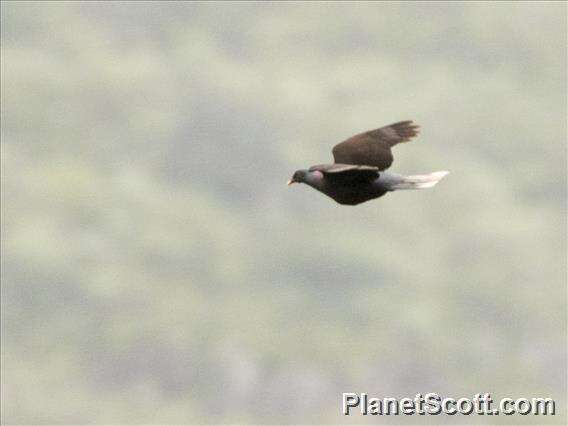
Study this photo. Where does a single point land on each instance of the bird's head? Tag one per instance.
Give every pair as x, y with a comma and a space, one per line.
299, 176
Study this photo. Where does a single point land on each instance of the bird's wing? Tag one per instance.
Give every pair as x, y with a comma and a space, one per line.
347, 172
373, 148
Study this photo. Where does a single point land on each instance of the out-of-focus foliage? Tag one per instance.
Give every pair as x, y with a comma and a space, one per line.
156, 268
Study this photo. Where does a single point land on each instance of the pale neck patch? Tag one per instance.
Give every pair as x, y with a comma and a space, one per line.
314, 178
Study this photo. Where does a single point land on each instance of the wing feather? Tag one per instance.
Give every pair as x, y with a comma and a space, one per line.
373, 148
347, 172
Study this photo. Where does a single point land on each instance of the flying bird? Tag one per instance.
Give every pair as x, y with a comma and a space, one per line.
358, 175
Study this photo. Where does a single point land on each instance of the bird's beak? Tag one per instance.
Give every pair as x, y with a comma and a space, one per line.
290, 182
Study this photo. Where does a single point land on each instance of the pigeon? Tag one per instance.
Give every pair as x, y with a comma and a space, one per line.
358, 175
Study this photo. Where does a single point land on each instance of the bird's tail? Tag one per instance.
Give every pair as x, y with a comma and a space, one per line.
420, 181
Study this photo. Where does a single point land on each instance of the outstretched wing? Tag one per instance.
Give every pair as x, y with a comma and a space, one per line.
347, 172
373, 148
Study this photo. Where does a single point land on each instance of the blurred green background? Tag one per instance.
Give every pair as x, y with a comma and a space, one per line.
157, 269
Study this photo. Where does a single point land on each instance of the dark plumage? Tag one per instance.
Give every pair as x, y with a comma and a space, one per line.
358, 172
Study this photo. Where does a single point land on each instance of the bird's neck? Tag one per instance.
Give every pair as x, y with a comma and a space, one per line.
314, 179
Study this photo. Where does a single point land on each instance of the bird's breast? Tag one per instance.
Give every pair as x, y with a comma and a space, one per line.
352, 193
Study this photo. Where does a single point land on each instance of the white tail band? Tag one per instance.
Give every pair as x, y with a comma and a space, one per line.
420, 181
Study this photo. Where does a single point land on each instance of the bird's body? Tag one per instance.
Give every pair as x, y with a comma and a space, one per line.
345, 189
358, 172
351, 195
